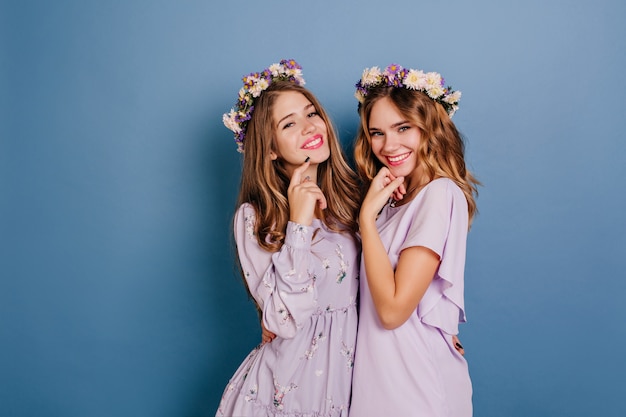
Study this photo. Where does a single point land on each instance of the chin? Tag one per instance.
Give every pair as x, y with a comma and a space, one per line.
399, 171
323, 156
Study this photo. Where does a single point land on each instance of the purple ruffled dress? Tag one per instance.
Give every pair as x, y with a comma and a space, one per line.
414, 370
307, 292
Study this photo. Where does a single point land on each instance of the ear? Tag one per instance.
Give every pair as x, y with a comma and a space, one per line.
273, 156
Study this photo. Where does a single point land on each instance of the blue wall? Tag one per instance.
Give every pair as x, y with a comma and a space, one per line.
119, 295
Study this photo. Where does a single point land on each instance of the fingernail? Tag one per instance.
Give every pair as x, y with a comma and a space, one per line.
308, 158
459, 345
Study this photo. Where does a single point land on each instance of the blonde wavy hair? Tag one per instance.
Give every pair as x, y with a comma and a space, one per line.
441, 150
264, 181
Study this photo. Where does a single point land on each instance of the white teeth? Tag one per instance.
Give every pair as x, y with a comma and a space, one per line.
398, 158
313, 143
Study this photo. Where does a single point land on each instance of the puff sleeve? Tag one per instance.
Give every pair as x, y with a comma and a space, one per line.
282, 283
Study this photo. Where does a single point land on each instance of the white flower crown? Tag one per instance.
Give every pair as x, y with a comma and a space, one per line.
253, 85
431, 83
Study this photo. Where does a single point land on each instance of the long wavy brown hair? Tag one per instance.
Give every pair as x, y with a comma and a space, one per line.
441, 150
264, 181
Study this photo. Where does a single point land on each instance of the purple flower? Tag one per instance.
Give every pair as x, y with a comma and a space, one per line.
291, 64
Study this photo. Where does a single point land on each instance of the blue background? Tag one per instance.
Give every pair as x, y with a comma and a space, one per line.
119, 295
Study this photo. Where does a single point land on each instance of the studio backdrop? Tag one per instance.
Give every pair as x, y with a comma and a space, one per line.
119, 291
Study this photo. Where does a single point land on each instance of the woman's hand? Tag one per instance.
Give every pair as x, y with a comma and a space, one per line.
266, 335
383, 186
304, 195
457, 345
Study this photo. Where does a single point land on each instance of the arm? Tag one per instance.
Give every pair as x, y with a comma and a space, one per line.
280, 282
396, 294
284, 291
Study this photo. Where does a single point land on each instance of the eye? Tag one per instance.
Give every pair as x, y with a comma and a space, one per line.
376, 133
313, 114
288, 125
403, 128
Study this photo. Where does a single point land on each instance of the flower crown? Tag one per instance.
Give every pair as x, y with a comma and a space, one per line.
253, 85
431, 83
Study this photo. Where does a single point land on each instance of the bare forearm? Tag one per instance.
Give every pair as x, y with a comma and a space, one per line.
396, 292
379, 272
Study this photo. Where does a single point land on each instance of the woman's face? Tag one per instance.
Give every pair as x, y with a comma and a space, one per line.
299, 130
395, 139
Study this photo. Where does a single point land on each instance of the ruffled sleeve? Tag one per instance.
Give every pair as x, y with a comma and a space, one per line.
440, 223
283, 282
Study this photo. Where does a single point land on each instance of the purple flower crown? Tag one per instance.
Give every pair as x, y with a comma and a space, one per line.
394, 75
253, 85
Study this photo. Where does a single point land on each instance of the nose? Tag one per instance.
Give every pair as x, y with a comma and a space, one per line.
390, 142
307, 127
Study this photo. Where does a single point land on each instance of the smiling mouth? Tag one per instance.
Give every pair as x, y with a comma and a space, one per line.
314, 143
396, 160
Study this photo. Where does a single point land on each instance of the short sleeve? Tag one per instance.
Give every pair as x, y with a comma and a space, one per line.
440, 223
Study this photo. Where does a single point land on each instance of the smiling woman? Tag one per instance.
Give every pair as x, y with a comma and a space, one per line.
413, 256
300, 133
297, 250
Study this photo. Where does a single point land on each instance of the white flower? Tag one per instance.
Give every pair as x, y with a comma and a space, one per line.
275, 69
294, 72
415, 80
229, 121
359, 96
433, 79
453, 98
435, 92
371, 76
253, 78
453, 110
258, 87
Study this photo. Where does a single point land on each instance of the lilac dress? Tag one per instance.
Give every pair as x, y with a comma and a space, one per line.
307, 292
414, 370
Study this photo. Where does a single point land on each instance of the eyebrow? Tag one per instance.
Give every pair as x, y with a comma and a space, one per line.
392, 126
291, 114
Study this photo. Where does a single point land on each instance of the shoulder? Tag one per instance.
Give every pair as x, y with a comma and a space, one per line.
440, 198
442, 185
245, 214
245, 209
443, 190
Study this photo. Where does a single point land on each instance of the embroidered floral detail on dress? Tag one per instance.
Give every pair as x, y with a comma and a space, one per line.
300, 231
309, 287
284, 314
310, 352
343, 265
252, 393
249, 222
265, 283
279, 393
348, 353
325, 263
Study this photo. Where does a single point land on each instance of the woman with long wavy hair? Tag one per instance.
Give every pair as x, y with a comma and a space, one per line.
413, 222
297, 248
